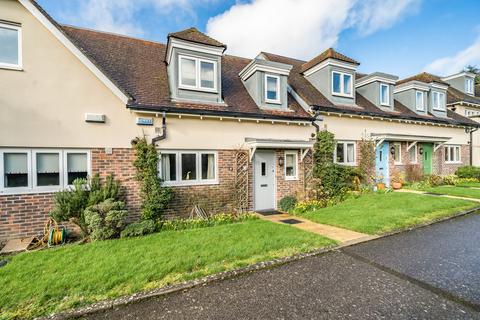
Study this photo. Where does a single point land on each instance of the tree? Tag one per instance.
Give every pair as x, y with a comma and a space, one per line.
473, 69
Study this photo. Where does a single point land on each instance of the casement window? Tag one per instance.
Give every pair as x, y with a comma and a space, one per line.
469, 86
412, 152
419, 100
438, 101
188, 167
291, 165
272, 89
345, 153
384, 94
197, 74
452, 154
342, 84
41, 170
10, 46
397, 155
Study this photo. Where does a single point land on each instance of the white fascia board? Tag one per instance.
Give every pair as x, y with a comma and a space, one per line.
253, 67
361, 83
457, 75
73, 49
330, 62
417, 85
181, 44
438, 86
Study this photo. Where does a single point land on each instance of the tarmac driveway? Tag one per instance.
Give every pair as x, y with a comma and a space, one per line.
429, 273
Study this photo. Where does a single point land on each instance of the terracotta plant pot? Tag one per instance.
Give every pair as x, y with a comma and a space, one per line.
381, 186
396, 185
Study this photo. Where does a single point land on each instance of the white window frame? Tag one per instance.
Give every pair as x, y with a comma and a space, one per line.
278, 100
441, 101
198, 81
295, 154
399, 144
387, 104
342, 82
422, 107
18, 66
448, 147
34, 169
3, 189
413, 161
469, 86
198, 163
65, 164
345, 152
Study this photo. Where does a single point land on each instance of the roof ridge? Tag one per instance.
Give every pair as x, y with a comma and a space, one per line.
329, 53
198, 37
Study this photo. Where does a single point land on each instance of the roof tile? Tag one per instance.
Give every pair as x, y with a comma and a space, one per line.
192, 34
423, 77
330, 53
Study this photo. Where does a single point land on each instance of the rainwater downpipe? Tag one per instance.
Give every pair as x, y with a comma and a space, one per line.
164, 130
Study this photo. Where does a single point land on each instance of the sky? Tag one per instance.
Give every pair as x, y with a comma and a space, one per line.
400, 37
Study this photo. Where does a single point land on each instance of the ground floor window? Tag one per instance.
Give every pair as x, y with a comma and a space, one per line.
188, 167
452, 154
32, 170
345, 153
413, 154
291, 164
397, 153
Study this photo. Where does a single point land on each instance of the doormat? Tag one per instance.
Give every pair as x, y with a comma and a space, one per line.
269, 212
291, 221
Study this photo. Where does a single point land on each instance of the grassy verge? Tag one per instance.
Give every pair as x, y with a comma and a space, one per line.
42, 282
377, 213
469, 184
458, 191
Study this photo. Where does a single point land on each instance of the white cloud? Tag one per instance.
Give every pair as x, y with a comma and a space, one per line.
458, 61
301, 28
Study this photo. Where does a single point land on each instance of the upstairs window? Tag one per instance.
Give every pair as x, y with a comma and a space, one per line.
419, 100
345, 153
438, 101
342, 84
469, 86
384, 94
272, 89
10, 46
452, 154
197, 74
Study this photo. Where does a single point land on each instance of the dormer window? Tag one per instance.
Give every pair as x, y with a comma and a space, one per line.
438, 101
272, 89
197, 74
10, 46
419, 100
341, 84
469, 86
384, 94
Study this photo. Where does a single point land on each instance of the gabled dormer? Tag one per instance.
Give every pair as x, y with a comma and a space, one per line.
424, 93
194, 66
266, 82
333, 74
378, 88
463, 81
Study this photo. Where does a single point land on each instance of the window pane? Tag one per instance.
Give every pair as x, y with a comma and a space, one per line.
290, 165
169, 167
336, 82
452, 154
208, 166
16, 170
8, 46
413, 154
397, 153
189, 166
347, 80
207, 76
188, 72
383, 94
457, 153
350, 153
340, 153
264, 169
419, 102
48, 169
272, 88
77, 167
446, 153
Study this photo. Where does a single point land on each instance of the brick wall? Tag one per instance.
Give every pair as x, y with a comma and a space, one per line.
288, 187
440, 167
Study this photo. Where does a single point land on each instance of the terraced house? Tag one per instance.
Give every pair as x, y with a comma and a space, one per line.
231, 132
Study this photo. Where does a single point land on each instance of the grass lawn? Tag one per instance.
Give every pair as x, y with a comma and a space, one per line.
41, 282
377, 213
469, 184
454, 191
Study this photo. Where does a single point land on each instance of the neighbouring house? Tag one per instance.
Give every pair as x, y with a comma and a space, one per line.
232, 133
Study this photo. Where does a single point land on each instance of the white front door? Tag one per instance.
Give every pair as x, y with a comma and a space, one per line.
264, 180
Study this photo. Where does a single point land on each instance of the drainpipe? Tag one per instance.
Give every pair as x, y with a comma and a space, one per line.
164, 130
317, 127
471, 145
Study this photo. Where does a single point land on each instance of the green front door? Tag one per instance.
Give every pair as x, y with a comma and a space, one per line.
427, 157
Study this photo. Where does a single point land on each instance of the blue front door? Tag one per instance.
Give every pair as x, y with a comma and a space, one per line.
381, 164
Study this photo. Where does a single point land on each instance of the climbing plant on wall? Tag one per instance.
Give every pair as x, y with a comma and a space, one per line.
366, 163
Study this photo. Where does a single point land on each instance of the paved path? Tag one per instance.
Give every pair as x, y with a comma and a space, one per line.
428, 273
436, 195
341, 235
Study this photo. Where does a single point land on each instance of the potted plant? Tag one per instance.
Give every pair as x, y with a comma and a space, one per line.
397, 181
380, 184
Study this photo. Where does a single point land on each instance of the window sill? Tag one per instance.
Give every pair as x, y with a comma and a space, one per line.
6, 192
398, 163
214, 90
273, 101
453, 162
13, 68
349, 164
189, 183
342, 95
291, 179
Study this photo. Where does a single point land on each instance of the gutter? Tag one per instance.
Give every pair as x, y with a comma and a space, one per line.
316, 118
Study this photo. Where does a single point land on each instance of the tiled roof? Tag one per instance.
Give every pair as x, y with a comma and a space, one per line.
423, 77
192, 34
455, 95
327, 54
477, 90
137, 66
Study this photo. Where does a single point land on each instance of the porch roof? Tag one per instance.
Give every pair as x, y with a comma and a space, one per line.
279, 143
408, 137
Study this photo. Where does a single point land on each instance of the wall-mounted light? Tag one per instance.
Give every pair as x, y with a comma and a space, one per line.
392, 150
420, 150
281, 161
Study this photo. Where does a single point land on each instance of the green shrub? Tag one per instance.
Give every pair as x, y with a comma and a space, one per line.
101, 192
434, 180
106, 219
215, 220
450, 180
468, 172
139, 229
413, 173
287, 203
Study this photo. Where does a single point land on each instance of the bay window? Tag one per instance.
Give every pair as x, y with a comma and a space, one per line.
291, 163
452, 154
345, 153
10, 46
197, 74
188, 167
